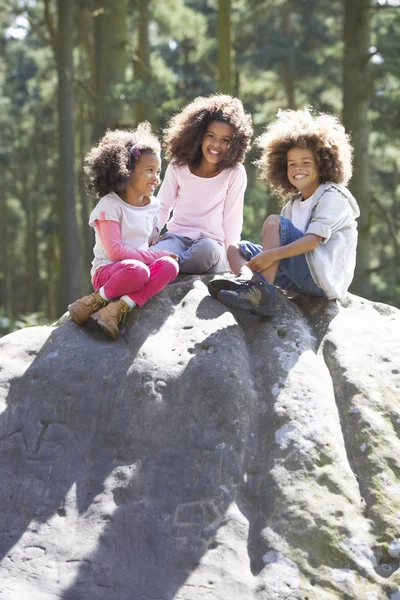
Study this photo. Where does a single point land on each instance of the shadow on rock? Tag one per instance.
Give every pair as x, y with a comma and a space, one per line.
120, 459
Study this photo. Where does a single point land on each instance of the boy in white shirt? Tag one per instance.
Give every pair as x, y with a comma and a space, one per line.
311, 247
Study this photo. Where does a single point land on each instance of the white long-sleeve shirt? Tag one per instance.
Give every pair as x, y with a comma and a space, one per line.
203, 207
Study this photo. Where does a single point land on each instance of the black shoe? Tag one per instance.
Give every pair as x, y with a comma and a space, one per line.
256, 296
223, 283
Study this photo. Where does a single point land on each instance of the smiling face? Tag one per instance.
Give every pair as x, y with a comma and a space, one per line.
302, 170
216, 142
146, 175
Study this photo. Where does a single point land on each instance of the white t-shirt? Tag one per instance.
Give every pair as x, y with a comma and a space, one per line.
301, 213
333, 218
136, 223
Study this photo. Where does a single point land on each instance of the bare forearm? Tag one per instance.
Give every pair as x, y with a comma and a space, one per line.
307, 243
270, 258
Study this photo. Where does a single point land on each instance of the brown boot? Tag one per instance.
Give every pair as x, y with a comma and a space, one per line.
81, 309
109, 317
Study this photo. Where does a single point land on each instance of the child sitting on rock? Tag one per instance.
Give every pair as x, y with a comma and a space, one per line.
311, 247
124, 169
205, 182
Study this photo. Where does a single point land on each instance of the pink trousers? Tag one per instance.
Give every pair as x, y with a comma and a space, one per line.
135, 279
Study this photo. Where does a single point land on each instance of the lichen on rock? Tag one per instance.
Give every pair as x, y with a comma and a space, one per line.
205, 454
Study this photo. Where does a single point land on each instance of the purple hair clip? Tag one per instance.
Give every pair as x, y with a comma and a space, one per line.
134, 154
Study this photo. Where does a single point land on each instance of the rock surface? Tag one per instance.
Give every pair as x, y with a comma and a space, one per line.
204, 455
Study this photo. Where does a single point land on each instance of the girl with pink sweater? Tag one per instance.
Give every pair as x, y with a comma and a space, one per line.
204, 184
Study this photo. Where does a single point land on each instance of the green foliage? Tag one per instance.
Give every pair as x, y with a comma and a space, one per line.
385, 156
9, 324
285, 53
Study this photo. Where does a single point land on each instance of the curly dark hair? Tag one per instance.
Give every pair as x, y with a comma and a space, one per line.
320, 132
111, 163
184, 133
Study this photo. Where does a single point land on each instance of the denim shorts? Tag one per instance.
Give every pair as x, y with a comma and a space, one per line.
294, 273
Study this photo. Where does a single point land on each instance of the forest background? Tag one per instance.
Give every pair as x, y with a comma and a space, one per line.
70, 69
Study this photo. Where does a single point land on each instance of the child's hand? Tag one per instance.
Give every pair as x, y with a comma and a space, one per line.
261, 261
174, 256
154, 236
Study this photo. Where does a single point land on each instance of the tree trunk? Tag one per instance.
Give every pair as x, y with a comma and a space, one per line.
357, 89
86, 232
111, 37
288, 64
84, 24
32, 300
69, 284
85, 135
52, 262
6, 241
225, 46
142, 61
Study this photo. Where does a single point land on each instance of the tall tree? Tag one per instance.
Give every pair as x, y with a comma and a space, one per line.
142, 62
288, 63
111, 59
286, 53
224, 33
357, 91
69, 284
85, 119
6, 292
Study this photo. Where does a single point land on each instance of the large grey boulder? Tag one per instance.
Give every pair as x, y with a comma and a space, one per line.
204, 455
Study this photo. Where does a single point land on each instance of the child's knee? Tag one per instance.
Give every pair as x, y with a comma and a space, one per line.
207, 252
233, 251
272, 223
172, 266
208, 246
169, 266
203, 255
138, 270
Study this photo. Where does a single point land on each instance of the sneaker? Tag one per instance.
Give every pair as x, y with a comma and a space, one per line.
256, 296
223, 283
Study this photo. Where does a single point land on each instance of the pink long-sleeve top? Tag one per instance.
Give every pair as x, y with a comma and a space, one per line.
203, 207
